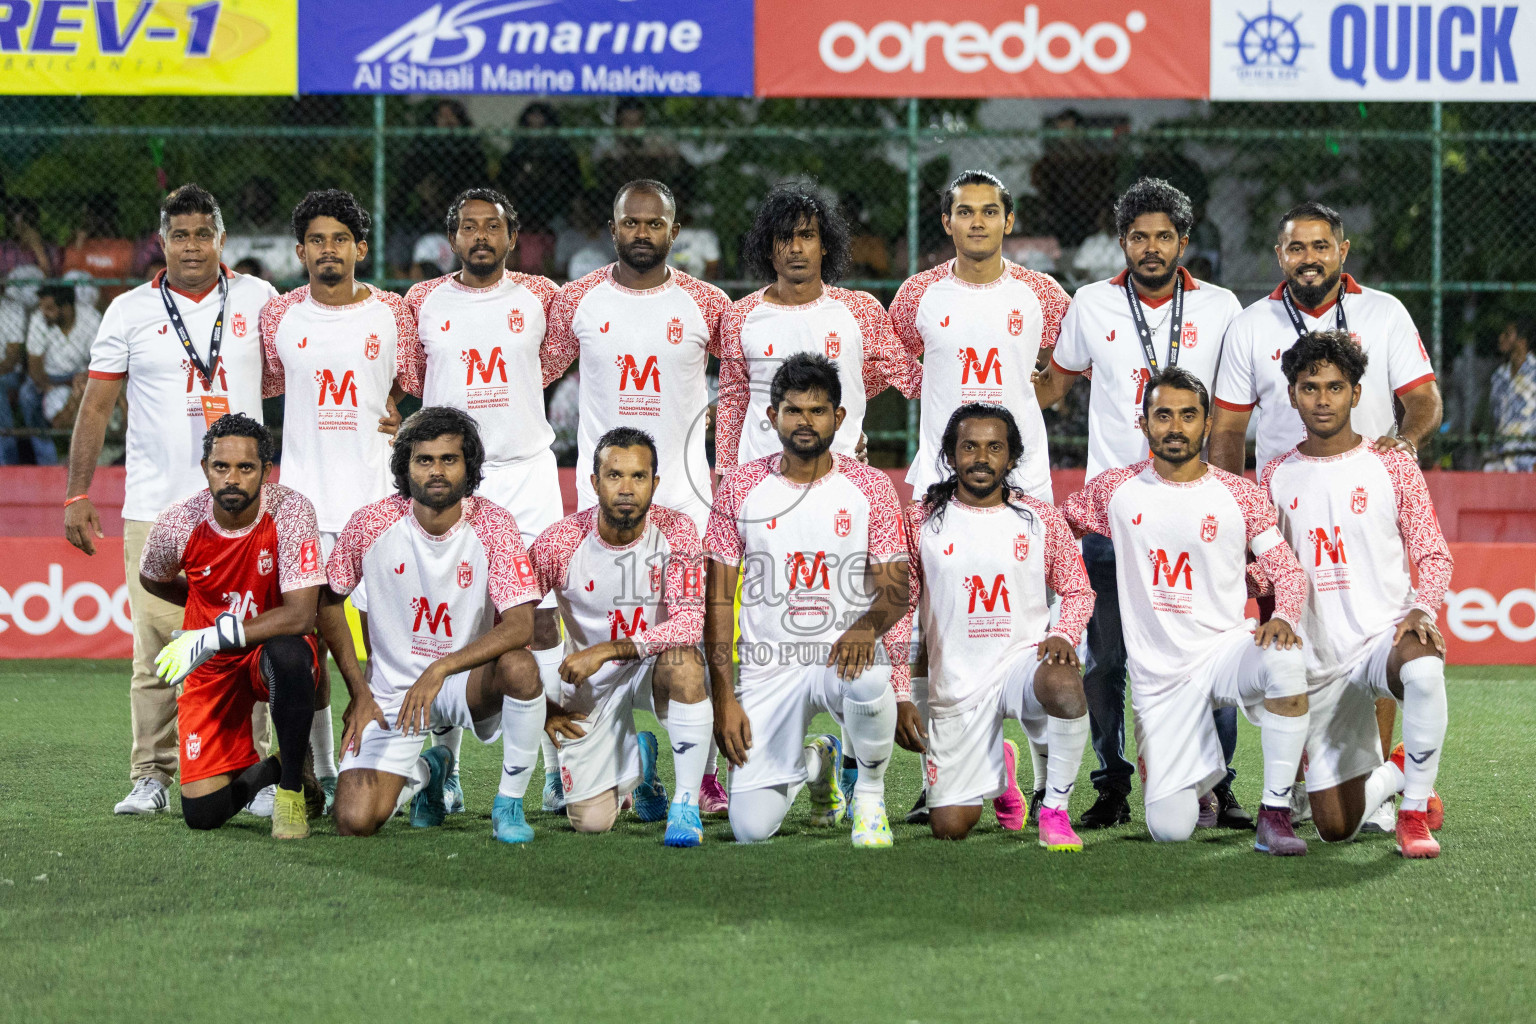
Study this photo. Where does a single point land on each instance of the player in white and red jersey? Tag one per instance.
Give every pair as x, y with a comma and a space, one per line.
1359, 518
984, 558
1181, 531
479, 333
981, 323
630, 583
800, 243
243, 557
818, 540
450, 611
1151, 316
332, 351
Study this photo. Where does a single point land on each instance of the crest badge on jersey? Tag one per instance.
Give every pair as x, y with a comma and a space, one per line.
834, 345
264, 562
565, 779
194, 746
1357, 501
1015, 322
1021, 547
1189, 337
371, 346
655, 577
237, 325
675, 331
515, 321
931, 770
466, 575
1208, 529
842, 523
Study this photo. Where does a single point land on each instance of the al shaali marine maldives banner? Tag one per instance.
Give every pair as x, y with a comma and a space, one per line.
549, 47
1280, 50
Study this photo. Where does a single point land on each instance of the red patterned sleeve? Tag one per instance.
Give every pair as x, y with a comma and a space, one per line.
684, 587
735, 384
898, 639
712, 303
915, 516
886, 362
552, 550
168, 538
273, 378
1053, 301
298, 539
542, 288
1420, 529
1273, 555
406, 340
722, 537
413, 357
344, 570
512, 578
887, 539
1065, 573
1087, 511
560, 346
905, 306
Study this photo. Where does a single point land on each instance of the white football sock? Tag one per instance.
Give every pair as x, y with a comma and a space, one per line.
522, 723
453, 739
1424, 718
712, 749
690, 724
1040, 765
415, 782
1065, 738
756, 814
1283, 740
322, 744
810, 756
549, 661
920, 701
1380, 786
871, 724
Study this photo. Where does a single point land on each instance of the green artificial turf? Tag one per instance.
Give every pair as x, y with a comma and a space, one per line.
139, 919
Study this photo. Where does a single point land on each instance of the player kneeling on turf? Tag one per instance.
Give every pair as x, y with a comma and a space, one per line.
982, 556
250, 552
441, 565
1181, 530
627, 575
1357, 518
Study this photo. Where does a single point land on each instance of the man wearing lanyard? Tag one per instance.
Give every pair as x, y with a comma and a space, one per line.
186, 345
1151, 316
1317, 295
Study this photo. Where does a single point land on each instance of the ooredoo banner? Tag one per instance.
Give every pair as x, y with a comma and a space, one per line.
1082, 49
1489, 616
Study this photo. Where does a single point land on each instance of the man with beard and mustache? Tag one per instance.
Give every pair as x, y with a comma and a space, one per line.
1181, 530
1317, 295
242, 556
629, 581
817, 541
1150, 317
479, 333
332, 351
451, 595
980, 577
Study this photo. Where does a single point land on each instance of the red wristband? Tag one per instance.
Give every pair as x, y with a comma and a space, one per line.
79, 497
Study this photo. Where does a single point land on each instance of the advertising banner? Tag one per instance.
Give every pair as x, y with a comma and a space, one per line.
992, 48
1489, 616
542, 47
144, 47
1325, 50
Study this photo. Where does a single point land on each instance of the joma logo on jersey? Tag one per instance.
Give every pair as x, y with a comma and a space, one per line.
194, 376
371, 346
991, 366
617, 623
1208, 529
640, 376
433, 619
807, 575
515, 321
1358, 499
834, 345
264, 562
674, 331
1015, 323
342, 392
842, 523
486, 367
1334, 548
989, 598
1166, 574
466, 575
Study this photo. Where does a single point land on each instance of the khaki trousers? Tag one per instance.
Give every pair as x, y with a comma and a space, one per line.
151, 703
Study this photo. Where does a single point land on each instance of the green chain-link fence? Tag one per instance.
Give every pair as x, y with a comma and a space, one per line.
1436, 199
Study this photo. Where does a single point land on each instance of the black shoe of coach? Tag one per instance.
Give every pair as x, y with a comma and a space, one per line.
1110, 809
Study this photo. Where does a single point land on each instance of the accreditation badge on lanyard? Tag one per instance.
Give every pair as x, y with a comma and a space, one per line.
1175, 330
1295, 314
214, 406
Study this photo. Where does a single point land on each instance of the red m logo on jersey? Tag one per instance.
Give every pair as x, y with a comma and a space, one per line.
343, 392
424, 613
486, 368
989, 598
991, 366
805, 574
193, 375
649, 373
1334, 548
1170, 573
629, 627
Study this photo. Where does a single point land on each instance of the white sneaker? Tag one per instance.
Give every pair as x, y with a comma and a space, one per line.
148, 796
261, 803
1383, 821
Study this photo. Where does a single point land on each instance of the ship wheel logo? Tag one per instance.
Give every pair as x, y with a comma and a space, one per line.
1269, 40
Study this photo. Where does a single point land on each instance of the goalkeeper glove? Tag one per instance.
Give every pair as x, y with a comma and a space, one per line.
190, 648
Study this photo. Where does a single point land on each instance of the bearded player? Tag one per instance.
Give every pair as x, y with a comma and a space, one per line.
628, 577
479, 333
1181, 531
1359, 517
786, 524
984, 558
450, 611
243, 557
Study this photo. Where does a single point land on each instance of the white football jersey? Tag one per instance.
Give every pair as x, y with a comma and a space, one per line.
1250, 366
756, 336
643, 360
335, 366
996, 332
166, 417
428, 596
980, 581
1180, 553
477, 349
1359, 523
1098, 333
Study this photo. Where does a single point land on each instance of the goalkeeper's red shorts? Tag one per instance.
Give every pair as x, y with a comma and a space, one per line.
213, 714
